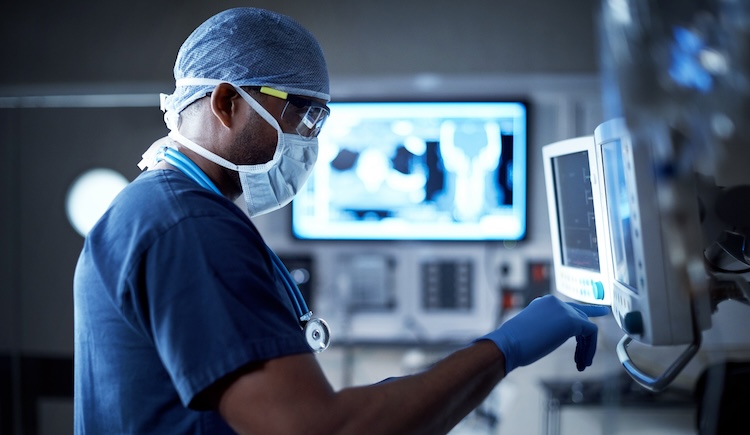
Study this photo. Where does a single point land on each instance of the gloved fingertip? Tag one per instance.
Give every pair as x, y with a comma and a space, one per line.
585, 351
592, 310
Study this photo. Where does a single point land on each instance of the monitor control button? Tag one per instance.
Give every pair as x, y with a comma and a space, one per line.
632, 323
598, 288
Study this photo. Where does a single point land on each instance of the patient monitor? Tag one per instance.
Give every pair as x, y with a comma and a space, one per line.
672, 165
661, 247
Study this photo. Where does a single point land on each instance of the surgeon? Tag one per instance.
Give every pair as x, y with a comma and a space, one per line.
185, 321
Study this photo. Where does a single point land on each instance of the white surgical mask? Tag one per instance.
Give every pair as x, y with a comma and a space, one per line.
269, 186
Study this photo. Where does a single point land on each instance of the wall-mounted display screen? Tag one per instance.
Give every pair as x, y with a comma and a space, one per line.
431, 170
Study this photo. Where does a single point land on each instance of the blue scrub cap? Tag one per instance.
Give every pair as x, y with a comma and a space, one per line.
250, 47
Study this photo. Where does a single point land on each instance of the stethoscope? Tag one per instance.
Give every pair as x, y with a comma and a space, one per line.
317, 332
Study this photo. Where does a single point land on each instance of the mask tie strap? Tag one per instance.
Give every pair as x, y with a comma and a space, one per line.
193, 81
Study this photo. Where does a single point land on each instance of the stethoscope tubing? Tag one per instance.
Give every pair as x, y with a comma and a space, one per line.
189, 168
291, 287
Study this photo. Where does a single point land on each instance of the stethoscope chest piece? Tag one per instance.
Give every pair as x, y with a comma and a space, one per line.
318, 334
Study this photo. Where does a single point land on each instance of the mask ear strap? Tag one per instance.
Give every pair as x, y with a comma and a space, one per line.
258, 108
174, 134
192, 81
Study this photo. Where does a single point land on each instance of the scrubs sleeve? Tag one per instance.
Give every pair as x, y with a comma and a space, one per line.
213, 302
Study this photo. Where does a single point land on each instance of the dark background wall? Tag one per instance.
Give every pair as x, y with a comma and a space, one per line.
99, 43
128, 48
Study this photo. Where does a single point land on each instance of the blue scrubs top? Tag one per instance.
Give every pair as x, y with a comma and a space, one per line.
174, 290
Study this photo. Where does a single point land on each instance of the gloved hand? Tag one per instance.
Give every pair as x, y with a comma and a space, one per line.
542, 327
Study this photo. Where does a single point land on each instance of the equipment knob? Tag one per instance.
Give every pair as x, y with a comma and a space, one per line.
633, 323
598, 288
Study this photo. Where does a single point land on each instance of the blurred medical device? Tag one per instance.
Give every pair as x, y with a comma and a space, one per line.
651, 214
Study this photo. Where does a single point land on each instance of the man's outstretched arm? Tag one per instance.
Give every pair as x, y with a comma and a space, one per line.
292, 394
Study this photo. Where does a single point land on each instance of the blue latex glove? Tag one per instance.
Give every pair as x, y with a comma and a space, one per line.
542, 327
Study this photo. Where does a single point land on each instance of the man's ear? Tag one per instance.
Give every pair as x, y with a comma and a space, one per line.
224, 103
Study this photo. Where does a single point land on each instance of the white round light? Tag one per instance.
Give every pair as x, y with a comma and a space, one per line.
90, 195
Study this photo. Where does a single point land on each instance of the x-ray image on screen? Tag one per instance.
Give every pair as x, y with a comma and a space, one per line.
417, 171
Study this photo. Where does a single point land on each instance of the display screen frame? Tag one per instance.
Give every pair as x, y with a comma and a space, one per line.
424, 124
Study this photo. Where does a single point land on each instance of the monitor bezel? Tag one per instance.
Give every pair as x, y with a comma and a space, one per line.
519, 160
658, 303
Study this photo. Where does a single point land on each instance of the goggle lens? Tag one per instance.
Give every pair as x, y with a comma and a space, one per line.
309, 115
309, 120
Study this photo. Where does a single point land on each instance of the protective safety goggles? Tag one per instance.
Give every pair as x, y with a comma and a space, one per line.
309, 115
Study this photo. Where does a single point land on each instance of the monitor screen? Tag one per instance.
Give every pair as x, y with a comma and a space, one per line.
620, 214
408, 170
575, 211
577, 220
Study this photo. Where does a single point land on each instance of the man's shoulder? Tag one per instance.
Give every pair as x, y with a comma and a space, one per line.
161, 199
171, 192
